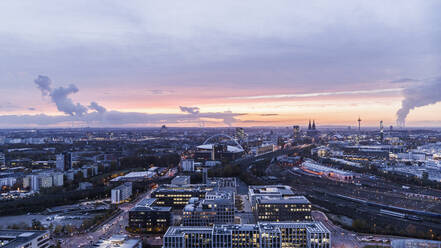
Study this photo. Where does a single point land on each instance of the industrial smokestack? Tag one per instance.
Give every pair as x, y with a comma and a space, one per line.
419, 95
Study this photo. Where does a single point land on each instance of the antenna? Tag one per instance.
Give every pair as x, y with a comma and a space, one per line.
359, 124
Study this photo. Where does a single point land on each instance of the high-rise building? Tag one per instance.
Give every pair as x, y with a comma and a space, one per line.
261, 235
64, 161
121, 193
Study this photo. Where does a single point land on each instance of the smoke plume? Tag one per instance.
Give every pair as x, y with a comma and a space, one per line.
419, 95
60, 96
95, 106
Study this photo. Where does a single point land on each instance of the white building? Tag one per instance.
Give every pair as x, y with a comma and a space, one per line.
121, 193
187, 165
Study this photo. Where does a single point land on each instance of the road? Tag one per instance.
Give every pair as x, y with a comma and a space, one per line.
114, 226
340, 237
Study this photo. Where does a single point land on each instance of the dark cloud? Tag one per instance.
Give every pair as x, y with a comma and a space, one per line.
31, 109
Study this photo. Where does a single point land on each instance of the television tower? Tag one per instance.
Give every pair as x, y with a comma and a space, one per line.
359, 124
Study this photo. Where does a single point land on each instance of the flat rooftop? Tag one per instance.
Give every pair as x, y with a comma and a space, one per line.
271, 190
17, 238
284, 200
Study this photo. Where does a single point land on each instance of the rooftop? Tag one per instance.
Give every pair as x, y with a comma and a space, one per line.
17, 238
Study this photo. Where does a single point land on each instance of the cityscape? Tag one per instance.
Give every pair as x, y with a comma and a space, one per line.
220, 124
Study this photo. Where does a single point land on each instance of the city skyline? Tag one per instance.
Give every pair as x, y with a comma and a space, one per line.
244, 64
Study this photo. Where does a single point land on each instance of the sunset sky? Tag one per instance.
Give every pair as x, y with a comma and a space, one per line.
219, 63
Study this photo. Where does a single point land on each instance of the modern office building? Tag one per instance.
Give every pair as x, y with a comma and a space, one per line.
216, 208
287, 209
121, 193
149, 218
274, 191
24, 238
177, 197
262, 235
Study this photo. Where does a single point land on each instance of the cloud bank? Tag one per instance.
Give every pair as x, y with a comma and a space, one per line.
97, 115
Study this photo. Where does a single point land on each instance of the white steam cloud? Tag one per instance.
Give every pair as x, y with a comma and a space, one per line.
60, 96
419, 95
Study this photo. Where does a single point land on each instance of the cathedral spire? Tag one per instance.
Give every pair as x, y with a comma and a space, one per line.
309, 126
313, 125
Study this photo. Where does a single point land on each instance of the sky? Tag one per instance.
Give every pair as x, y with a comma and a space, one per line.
219, 63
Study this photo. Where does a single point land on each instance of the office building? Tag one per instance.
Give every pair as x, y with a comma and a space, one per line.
121, 193
262, 235
288, 209
177, 197
149, 218
274, 191
216, 208
24, 238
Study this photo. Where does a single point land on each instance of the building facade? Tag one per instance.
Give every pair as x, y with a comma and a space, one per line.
214, 209
148, 218
293, 208
121, 193
176, 197
262, 235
